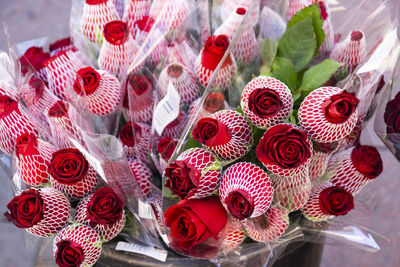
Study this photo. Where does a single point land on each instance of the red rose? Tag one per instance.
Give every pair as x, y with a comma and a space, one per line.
69, 254
59, 109
285, 146
367, 160
38, 85
338, 108
34, 58
322, 7
211, 132
240, 204
7, 105
181, 178
127, 136
26, 144
214, 49
265, 102
68, 166
26, 210
138, 85
193, 221
336, 201
392, 118
89, 78
145, 24
60, 44
214, 102
166, 147
104, 207
116, 32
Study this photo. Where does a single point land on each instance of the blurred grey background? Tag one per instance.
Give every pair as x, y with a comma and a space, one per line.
377, 204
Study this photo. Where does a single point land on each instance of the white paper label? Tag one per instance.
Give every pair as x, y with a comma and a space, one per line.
145, 210
155, 253
167, 109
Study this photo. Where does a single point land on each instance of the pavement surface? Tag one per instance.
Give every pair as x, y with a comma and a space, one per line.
379, 202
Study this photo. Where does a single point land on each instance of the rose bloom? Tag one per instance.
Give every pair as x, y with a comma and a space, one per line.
141, 91
265, 102
284, 145
128, 135
60, 44
33, 57
181, 178
392, 118
145, 24
338, 108
89, 78
211, 132
367, 160
68, 166
166, 147
69, 254
193, 221
7, 105
59, 109
116, 32
104, 207
336, 201
240, 204
26, 210
214, 49
214, 102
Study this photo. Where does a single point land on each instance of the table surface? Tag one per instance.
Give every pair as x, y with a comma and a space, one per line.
29, 19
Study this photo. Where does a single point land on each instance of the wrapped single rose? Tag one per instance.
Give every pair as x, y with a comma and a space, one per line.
184, 81
246, 190
103, 211
327, 201
266, 101
33, 59
194, 174
138, 102
170, 13
61, 71
71, 173
354, 168
322, 152
245, 46
142, 174
42, 212
33, 159
77, 245
234, 234
101, 90
227, 133
175, 128
135, 138
210, 56
328, 114
61, 45
166, 147
118, 49
392, 119
193, 221
214, 102
269, 226
95, 15
285, 150
136, 10
13, 123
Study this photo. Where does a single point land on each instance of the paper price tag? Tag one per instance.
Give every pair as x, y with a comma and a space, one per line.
167, 109
154, 253
145, 210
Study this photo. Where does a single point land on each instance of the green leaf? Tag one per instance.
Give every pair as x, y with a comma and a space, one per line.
283, 70
298, 44
314, 12
268, 49
192, 143
318, 75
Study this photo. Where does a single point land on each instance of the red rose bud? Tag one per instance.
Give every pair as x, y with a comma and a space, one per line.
135, 138
137, 10
95, 15
166, 147
194, 174
174, 129
42, 212
246, 190
142, 174
266, 101
140, 90
77, 245
13, 123
33, 59
33, 159
61, 71
328, 114
193, 221
61, 45
269, 226
392, 119
116, 32
227, 7
103, 211
355, 167
326, 202
209, 58
350, 51
71, 173
145, 24
227, 133
101, 89
184, 81
284, 150
214, 102
234, 234
245, 46
170, 13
